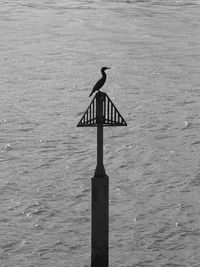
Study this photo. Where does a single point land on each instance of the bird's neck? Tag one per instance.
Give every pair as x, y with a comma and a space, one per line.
103, 73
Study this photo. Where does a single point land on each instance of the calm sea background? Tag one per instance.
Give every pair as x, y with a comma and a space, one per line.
51, 53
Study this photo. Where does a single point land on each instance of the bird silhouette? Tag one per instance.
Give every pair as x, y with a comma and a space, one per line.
100, 82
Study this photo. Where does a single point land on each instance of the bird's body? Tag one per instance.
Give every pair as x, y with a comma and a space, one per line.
100, 82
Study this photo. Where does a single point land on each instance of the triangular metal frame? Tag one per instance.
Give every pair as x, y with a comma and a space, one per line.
111, 115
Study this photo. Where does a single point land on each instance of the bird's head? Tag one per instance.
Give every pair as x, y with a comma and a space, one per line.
104, 68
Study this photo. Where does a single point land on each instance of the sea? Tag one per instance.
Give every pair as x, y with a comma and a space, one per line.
51, 53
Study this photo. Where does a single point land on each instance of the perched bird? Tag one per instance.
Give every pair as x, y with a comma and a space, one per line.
100, 82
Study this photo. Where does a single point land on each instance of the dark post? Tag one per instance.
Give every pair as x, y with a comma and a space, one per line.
100, 196
101, 112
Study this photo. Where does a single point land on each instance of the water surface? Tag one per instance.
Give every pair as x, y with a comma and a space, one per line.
51, 55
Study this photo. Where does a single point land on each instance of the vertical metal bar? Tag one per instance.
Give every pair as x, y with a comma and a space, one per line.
87, 116
100, 171
90, 113
108, 111
106, 103
100, 222
100, 191
111, 113
104, 109
93, 110
100, 167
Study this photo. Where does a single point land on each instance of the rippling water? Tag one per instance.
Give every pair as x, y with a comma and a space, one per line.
51, 54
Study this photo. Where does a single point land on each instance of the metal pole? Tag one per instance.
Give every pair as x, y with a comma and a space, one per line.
100, 171
100, 197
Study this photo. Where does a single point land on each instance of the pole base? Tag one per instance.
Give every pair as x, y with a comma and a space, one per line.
100, 221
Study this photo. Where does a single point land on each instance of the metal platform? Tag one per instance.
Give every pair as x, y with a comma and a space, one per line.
110, 114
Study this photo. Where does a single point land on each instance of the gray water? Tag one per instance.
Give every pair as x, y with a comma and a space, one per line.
51, 53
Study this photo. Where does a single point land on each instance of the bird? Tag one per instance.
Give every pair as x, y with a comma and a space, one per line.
100, 82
